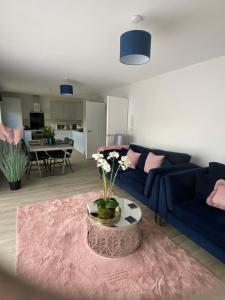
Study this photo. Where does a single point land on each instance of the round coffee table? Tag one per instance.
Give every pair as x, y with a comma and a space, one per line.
118, 240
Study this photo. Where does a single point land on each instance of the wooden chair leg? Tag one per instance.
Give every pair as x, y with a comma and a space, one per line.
54, 162
69, 163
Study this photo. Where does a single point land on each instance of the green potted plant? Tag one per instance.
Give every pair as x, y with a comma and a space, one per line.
108, 205
13, 163
49, 134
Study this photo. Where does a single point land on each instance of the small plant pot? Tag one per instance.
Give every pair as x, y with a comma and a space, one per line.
106, 216
51, 141
106, 213
15, 185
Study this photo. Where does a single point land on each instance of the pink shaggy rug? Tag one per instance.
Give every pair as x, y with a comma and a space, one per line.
52, 252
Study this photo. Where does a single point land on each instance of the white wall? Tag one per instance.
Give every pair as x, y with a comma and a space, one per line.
116, 118
183, 110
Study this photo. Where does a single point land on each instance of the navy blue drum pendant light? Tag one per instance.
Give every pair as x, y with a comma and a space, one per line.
66, 89
135, 45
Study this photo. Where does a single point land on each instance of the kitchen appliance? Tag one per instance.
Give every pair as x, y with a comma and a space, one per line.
37, 120
37, 135
60, 126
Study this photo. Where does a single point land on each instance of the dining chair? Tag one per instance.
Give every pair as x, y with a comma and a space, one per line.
59, 157
41, 156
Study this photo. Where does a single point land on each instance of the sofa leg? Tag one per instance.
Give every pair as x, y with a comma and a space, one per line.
161, 221
156, 218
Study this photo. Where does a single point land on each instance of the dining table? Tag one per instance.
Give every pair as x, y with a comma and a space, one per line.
48, 148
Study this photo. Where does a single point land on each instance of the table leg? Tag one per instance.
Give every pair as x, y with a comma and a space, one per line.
64, 160
38, 163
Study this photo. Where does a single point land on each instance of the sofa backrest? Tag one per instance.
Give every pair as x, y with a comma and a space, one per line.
216, 168
171, 158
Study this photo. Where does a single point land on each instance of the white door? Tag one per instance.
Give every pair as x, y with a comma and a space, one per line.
95, 127
117, 118
12, 112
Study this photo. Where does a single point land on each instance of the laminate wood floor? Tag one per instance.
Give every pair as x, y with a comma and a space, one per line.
84, 179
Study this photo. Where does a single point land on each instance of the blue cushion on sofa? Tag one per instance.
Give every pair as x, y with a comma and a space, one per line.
173, 157
217, 169
135, 178
204, 219
166, 163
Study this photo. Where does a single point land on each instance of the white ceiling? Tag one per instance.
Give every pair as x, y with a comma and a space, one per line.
44, 41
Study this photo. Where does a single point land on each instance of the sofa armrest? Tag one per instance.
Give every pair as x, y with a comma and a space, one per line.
176, 188
163, 171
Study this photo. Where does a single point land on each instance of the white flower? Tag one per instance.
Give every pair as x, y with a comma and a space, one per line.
124, 162
106, 167
113, 154
102, 163
97, 156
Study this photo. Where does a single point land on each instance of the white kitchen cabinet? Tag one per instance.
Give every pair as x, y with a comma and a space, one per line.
57, 111
65, 110
27, 136
79, 141
69, 134
79, 111
62, 134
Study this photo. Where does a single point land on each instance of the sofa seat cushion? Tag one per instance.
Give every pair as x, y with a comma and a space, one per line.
207, 221
135, 178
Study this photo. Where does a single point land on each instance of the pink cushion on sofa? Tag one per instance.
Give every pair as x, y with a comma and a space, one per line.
153, 161
217, 197
133, 158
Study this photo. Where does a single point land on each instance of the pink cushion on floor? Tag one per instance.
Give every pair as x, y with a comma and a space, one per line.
153, 161
217, 197
133, 157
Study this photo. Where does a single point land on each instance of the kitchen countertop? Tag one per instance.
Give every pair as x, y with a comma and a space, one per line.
63, 129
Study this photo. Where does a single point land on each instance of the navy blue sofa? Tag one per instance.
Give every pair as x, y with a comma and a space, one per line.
182, 203
145, 186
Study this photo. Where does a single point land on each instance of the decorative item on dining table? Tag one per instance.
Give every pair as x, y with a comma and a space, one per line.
108, 210
49, 134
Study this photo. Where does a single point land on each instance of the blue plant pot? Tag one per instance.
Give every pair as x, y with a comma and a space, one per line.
51, 141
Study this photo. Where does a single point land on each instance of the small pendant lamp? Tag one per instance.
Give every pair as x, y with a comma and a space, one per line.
135, 45
66, 89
